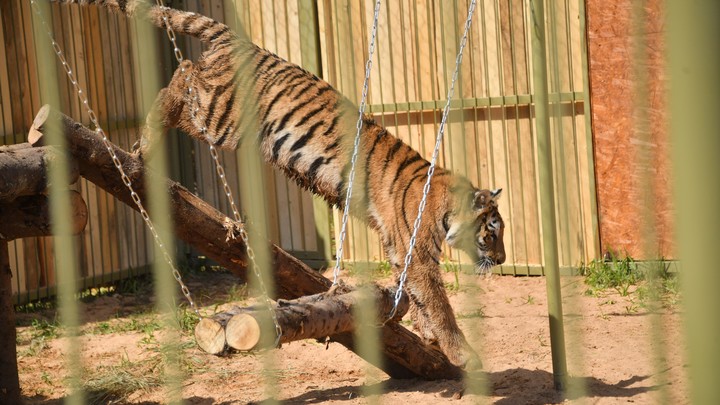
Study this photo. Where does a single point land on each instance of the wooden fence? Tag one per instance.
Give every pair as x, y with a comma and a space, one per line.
490, 137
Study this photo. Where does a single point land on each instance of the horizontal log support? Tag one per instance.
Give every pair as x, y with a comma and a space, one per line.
29, 216
24, 170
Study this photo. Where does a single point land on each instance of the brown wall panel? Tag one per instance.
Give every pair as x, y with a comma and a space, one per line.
618, 144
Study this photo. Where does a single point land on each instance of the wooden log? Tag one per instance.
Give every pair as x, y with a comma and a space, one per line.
314, 316
30, 216
23, 170
9, 379
197, 223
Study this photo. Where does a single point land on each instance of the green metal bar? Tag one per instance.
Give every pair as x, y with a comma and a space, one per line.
549, 224
158, 205
693, 66
645, 150
253, 199
58, 174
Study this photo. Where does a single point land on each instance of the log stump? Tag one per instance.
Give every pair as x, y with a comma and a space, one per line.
311, 317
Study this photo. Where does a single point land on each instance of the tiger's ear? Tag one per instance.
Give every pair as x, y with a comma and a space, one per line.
483, 198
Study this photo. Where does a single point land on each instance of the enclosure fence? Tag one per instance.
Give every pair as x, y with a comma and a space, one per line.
492, 136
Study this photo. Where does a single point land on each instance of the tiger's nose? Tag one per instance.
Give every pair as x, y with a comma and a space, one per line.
500, 258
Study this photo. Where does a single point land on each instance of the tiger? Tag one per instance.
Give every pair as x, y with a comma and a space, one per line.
305, 128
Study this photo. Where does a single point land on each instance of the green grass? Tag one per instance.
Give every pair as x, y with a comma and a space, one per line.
452, 267
618, 274
654, 284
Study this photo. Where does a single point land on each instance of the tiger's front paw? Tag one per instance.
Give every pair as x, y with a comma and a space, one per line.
463, 356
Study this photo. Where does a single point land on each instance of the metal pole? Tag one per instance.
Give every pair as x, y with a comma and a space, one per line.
693, 66
547, 201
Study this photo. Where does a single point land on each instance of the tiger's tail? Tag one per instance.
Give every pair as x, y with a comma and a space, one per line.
184, 22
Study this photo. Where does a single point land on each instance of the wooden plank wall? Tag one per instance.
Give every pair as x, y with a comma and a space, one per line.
491, 139
620, 140
98, 46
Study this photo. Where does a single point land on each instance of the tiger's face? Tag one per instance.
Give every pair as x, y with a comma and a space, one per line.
477, 228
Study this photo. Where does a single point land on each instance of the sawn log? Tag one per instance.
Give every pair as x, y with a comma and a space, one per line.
314, 316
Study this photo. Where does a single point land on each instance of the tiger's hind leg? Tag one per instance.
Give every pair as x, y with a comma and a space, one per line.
166, 112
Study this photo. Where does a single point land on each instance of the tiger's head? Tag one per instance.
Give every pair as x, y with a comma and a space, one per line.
476, 227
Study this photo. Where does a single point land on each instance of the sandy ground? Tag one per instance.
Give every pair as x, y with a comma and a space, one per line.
618, 352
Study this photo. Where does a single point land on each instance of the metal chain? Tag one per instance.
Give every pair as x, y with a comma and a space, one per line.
356, 146
116, 161
192, 96
431, 170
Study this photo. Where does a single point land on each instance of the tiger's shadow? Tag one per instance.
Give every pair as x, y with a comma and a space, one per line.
515, 386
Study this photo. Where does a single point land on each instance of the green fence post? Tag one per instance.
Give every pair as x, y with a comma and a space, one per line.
693, 66
58, 178
547, 203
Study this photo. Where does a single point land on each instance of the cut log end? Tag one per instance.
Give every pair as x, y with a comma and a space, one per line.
210, 336
242, 332
35, 134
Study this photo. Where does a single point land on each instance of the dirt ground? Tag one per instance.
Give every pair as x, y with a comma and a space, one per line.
618, 352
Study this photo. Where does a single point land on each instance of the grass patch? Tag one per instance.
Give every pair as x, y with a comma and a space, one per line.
144, 323
452, 267
117, 383
618, 274
653, 284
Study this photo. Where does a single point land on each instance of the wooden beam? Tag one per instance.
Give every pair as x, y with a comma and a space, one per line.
29, 216
24, 168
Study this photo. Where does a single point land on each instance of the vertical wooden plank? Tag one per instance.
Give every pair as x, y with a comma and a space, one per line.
5, 107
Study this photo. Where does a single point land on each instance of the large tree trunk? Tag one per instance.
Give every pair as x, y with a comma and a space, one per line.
309, 317
9, 381
199, 224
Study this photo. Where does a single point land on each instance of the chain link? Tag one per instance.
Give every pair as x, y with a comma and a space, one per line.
192, 97
356, 146
431, 170
115, 159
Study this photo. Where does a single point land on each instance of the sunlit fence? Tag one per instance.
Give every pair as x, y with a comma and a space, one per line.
492, 136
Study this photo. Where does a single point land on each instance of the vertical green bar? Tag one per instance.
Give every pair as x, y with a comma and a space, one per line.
547, 203
60, 210
693, 31
253, 197
158, 206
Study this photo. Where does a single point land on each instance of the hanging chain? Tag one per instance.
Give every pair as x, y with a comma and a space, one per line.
192, 96
431, 170
356, 146
116, 161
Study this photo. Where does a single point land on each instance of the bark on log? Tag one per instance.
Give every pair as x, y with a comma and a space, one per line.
199, 224
24, 170
9, 379
314, 316
30, 216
